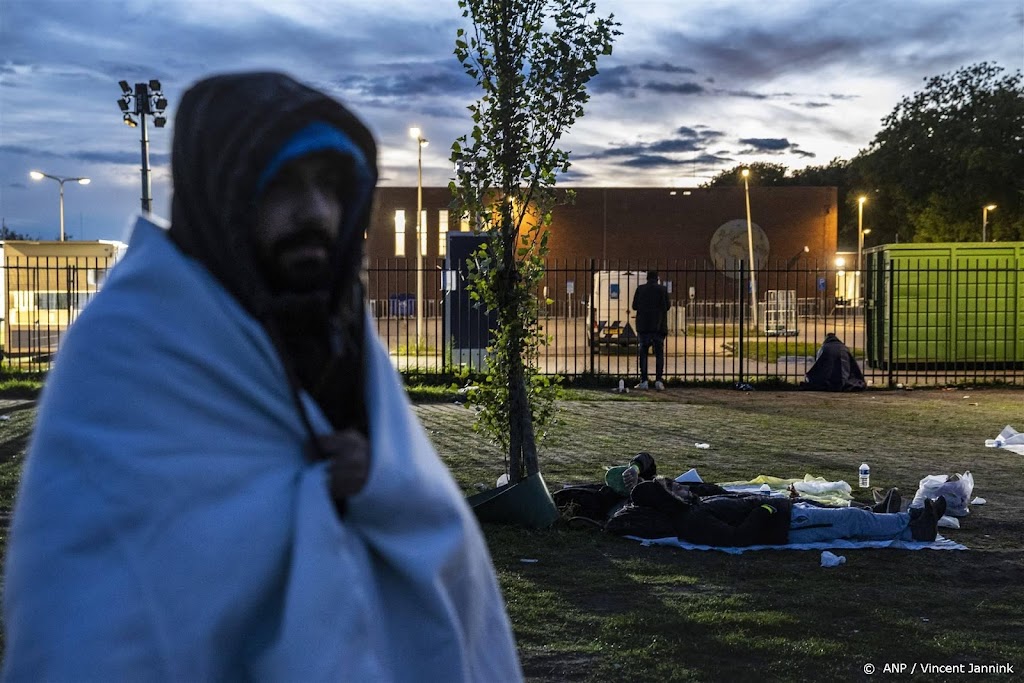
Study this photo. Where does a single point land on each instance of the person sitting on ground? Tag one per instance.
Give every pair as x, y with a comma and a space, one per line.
834, 369
662, 508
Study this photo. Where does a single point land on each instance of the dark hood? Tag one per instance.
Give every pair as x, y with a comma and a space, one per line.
227, 130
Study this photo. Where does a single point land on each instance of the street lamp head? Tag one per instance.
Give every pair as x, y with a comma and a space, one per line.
129, 121
424, 142
36, 175
840, 262
415, 133
866, 231
84, 181
861, 199
745, 172
991, 207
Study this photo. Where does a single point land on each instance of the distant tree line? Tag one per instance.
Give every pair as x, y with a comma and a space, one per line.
942, 155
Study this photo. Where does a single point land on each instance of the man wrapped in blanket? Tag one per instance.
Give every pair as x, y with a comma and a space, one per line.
226, 481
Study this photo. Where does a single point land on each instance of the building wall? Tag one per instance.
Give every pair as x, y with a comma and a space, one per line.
649, 224
628, 228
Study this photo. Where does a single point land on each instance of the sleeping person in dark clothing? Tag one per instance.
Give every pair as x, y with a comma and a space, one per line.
662, 508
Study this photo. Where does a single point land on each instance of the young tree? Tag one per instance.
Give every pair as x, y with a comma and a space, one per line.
532, 59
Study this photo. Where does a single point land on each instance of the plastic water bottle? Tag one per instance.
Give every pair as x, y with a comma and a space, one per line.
865, 476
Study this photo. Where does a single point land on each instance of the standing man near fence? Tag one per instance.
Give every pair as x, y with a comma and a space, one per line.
226, 480
651, 303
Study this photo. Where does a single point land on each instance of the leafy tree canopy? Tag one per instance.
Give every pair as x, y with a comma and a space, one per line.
949, 150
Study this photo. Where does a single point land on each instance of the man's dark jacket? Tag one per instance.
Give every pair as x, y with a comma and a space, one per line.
730, 520
651, 303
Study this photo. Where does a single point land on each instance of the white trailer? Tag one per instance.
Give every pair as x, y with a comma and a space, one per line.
610, 315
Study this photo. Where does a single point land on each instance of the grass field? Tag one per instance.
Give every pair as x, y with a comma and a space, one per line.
599, 608
593, 607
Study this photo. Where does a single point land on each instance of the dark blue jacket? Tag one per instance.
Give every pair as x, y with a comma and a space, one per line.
651, 303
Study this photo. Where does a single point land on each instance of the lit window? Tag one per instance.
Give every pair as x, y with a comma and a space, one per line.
400, 233
442, 232
423, 232
464, 222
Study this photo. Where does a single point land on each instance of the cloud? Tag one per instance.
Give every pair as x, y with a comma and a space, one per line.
773, 146
665, 67
649, 161
688, 88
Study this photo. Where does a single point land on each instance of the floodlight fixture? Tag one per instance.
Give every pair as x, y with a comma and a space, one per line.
123, 104
129, 121
125, 87
154, 85
159, 121
160, 104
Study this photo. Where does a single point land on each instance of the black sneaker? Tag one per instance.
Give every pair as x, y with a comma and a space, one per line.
925, 525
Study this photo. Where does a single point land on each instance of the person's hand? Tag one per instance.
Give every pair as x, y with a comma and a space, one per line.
348, 465
631, 477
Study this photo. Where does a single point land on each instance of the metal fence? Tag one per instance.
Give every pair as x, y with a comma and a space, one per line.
715, 335
933, 324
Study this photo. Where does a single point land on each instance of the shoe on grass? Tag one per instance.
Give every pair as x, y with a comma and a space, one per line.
659, 385
642, 385
925, 525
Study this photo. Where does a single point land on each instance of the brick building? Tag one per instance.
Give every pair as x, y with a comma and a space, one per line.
649, 224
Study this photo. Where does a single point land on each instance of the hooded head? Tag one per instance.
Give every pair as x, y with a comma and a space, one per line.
236, 137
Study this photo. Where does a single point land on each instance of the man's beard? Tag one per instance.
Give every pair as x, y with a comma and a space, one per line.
301, 264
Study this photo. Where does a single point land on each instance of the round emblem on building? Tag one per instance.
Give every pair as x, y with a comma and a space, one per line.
729, 246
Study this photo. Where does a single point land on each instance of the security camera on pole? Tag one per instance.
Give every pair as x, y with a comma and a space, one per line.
147, 98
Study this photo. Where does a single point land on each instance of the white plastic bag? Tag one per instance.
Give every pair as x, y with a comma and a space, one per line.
955, 488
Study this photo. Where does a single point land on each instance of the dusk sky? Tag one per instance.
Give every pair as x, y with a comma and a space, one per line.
692, 89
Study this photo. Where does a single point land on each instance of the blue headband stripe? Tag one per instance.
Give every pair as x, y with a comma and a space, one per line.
318, 137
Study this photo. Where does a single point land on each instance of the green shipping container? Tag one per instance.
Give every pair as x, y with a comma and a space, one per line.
945, 305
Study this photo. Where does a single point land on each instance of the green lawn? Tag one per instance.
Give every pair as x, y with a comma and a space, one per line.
600, 608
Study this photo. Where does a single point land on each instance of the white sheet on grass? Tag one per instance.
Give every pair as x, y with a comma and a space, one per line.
939, 543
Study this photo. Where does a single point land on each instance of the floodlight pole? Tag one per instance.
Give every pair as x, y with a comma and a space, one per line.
143, 96
147, 185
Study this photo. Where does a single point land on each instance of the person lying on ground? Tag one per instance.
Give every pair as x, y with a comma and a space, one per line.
661, 508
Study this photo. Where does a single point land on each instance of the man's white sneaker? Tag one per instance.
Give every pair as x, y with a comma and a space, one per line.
659, 386
642, 385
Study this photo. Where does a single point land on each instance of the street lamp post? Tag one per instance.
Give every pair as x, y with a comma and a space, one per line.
984, 221
39, 175
860, 243
750, 245
421, 142
148, 99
